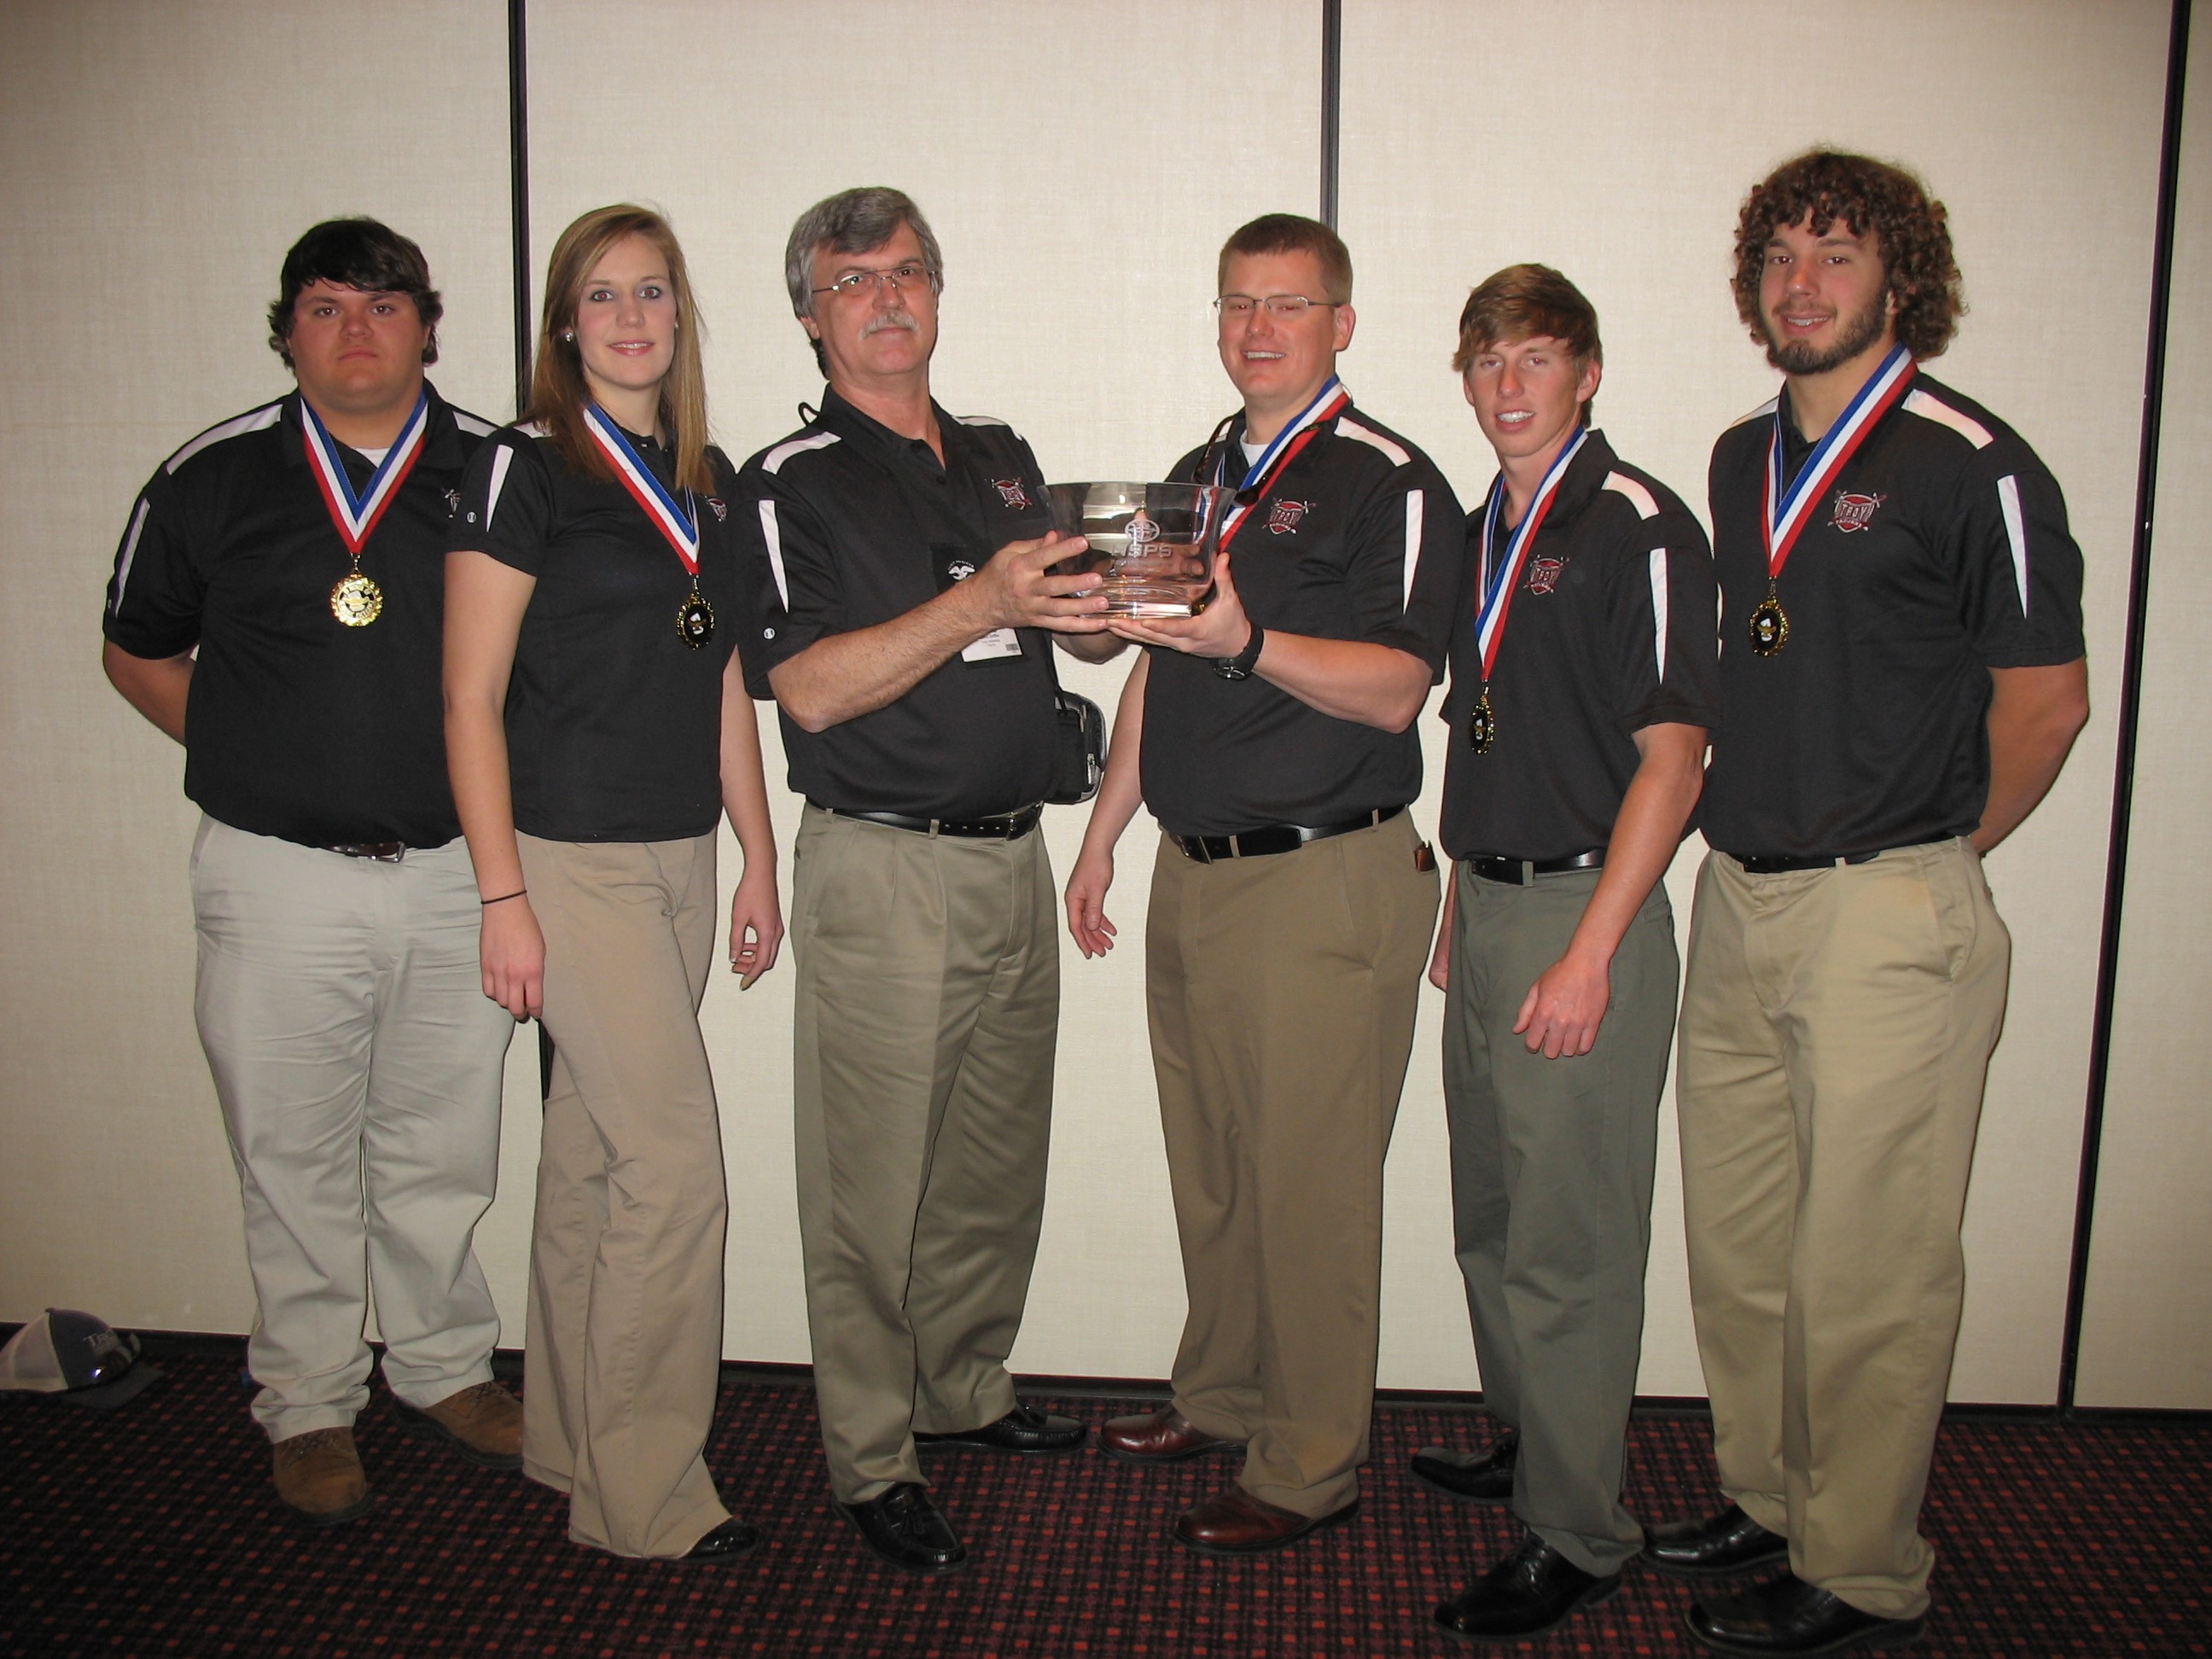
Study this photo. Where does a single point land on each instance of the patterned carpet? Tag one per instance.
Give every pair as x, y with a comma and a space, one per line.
152, 1530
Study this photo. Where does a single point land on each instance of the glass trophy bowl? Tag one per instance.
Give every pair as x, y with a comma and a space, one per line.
1154, 542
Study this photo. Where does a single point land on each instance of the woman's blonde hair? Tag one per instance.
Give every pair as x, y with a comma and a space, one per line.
558, 391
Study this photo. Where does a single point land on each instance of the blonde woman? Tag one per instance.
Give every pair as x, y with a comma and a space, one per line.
596, 727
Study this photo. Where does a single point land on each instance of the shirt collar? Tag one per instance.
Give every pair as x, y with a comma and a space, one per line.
842, 417
441, 438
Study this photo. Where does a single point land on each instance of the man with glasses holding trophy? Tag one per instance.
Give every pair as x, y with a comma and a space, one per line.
901, 609
1292, 898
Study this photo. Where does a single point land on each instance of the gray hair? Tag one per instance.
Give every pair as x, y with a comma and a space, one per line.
852, 222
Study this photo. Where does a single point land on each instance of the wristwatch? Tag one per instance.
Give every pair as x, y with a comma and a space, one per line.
1239, 667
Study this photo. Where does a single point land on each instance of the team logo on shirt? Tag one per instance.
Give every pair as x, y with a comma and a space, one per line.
960, 570
1283, 516
721, 510
453, 503
1011, 492
1544, 575
1855, 512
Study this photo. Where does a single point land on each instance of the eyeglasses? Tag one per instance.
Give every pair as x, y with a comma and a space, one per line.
1236, 308
864, 281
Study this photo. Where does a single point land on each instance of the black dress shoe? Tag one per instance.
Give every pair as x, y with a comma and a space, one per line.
905, 1528
1025, 1429
733, 1539
1726, 1543
1485, 1477
1532, 1590
1787, 1615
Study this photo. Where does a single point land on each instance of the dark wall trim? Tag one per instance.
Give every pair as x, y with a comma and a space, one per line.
517, 185
2123, 770
1332, 102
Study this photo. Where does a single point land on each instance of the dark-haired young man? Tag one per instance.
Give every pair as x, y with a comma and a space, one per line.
1901, 678
1582, 669
1291, 896
276, 607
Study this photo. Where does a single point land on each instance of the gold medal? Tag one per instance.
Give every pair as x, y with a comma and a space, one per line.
1482, 724
1770, 625
356, 601
694, 620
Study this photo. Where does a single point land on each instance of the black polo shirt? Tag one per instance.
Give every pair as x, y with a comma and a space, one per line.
1359, 537
1939, 552
613, 723
1610, 630
845, 524
297, 725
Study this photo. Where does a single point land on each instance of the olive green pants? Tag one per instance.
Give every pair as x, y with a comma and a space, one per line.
1552, 1171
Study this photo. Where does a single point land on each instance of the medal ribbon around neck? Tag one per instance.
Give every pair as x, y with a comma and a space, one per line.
1789, 511
1497, 588
355, 515
680, 525
1329, 403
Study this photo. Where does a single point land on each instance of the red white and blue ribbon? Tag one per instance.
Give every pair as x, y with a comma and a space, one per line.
1496, 586
680, 525
1331, 401
355, 513
1789, 511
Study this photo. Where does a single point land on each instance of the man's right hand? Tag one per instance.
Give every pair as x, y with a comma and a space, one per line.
1086, 904
513, 955
1016, 590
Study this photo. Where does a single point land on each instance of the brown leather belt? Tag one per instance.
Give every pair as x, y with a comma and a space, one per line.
1274, 837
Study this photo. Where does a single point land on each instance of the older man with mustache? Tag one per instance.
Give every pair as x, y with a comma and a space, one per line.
901, 613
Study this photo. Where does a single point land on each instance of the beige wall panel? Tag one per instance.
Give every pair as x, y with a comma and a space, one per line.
2147, 1319
161, 159
1615, 141
1081, 166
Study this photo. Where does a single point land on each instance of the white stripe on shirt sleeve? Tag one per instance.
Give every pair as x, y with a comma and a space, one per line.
772, 533
499, 463
1414, 509
2015, 533
130, 552
1659, 611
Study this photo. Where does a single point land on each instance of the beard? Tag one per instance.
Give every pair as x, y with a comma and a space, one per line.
1855, 335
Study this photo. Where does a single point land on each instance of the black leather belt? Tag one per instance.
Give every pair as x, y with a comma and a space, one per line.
1008, 826
1519, 872
1785, 864
1274, 837
384, 851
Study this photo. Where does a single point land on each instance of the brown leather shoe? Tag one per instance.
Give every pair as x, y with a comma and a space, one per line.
320, 1475
483, 1423
1159, 1437
1234, 1523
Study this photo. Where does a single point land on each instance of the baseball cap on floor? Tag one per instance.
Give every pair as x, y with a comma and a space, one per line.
75, 1356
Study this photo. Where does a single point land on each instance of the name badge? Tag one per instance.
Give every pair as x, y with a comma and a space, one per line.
954, 565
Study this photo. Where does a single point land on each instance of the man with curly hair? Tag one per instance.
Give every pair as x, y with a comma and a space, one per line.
1901, 678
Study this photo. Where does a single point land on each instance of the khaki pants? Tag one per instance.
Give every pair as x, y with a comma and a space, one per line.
927, 1014
358, 1066
1282, 991
625, 1336
1552, 1171
1836, 1031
